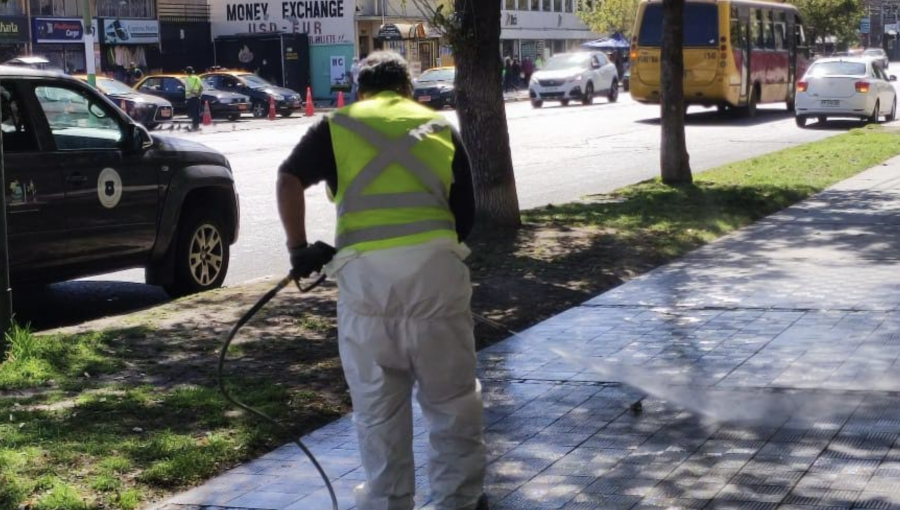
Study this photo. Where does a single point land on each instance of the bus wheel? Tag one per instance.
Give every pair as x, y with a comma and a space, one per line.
801, 120
721, 109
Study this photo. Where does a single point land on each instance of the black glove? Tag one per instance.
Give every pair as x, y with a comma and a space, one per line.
310, 259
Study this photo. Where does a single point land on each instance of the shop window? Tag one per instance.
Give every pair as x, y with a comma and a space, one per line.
535, 5
557, 5
12, 8
71, 8
569, 5
129, 9
510, 5
548, 5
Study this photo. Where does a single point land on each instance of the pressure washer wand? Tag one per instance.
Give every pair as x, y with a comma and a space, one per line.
227, 395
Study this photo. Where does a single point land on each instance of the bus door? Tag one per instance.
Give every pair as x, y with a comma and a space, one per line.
791, 43
741, 43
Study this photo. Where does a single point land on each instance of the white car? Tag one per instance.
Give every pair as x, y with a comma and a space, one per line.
577, 76
878, 55
845, 87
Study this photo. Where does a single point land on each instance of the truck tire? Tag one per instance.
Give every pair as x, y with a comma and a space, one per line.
202, 252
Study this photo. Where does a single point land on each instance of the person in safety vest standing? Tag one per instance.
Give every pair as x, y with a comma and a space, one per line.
402, 184
193, 89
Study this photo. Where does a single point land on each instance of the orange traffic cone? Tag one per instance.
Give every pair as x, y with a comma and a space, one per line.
271, 108
310, 107
207, 117
340, 99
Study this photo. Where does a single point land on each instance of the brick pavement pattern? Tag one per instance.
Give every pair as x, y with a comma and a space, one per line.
767, 363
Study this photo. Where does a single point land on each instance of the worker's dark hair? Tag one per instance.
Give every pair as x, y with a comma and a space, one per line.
384, 71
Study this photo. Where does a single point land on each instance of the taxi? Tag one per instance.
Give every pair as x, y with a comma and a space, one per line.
171, 87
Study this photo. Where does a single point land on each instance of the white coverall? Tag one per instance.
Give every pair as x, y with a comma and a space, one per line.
404, 318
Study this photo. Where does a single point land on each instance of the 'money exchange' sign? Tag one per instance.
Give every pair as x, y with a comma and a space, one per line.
324, 21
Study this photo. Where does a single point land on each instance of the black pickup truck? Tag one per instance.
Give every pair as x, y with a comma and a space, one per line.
89, 191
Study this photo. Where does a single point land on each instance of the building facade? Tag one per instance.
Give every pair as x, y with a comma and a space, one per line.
185, 35
15, 32
328, 25
541, 27
399, 26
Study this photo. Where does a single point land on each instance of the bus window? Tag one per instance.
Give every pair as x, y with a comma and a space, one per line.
800, 37
701, 25
768, 32
780, 26
757, 28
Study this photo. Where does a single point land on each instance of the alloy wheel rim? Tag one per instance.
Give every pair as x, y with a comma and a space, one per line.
259, 110
206, 254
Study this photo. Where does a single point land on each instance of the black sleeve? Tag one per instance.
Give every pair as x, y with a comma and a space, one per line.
462, 194
312, 160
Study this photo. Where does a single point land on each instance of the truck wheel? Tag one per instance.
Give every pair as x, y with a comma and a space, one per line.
202, 253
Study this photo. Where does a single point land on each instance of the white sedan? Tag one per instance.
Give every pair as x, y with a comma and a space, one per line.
845, 87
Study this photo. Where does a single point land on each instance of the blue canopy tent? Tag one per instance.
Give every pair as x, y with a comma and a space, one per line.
616, 41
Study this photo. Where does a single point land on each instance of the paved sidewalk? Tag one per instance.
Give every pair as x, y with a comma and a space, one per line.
790, 324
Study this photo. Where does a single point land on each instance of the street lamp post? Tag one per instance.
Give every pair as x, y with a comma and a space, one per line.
90, 65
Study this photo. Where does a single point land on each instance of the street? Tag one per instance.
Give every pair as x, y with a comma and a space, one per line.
560, 154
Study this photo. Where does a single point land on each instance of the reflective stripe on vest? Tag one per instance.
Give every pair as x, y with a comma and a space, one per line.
392, 151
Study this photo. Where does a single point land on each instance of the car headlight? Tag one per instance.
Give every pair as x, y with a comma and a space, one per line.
576, 78
534, 81
278, 97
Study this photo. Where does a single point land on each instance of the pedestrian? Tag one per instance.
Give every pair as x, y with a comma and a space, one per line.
538, 63
133, 74
354, 76
193, 89
516, 72
527, 70
402, 183
507, 75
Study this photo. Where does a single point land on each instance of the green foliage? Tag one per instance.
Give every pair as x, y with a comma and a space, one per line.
36, 359
608, 16
838, 18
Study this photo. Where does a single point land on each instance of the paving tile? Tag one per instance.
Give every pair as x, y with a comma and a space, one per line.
264, 500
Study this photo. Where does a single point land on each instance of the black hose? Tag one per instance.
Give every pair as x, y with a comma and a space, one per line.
221, 368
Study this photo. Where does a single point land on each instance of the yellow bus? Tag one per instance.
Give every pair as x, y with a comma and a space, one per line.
737, 53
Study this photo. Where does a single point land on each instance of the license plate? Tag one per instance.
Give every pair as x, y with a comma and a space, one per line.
551, 89
424, 99
830, 102
242, 107
165, 113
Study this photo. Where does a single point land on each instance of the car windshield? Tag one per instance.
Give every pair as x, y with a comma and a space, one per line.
108, 86
837, 69
874, 53
567, 61
255, 82
438, 75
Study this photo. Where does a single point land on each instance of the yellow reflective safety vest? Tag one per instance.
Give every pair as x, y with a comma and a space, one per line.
394, 170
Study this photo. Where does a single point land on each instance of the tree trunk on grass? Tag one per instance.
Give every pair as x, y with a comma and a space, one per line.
482, 113
674, 160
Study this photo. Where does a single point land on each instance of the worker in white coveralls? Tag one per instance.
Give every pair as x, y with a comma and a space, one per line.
401, 180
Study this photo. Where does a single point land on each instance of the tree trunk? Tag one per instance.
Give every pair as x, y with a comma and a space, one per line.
482, 114
674, 160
